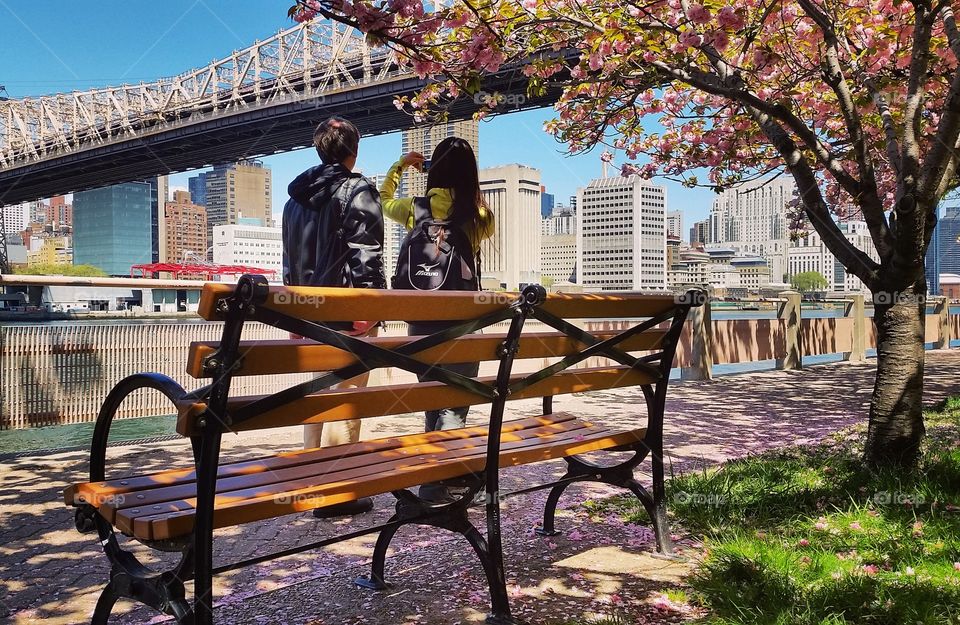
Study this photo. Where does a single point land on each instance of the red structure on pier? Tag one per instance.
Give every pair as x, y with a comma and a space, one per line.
204, 271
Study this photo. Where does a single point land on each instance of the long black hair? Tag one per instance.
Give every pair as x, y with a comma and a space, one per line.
454, 166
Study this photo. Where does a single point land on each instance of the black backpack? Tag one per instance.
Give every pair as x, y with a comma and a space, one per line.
435, 255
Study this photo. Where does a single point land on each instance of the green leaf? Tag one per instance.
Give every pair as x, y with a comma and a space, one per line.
473, 84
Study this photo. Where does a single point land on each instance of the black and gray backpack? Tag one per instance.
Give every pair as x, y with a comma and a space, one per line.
435, 255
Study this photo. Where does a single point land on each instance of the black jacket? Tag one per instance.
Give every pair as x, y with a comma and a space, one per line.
333, 230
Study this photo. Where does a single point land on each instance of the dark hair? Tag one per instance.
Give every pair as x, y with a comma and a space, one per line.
336, 140
454, 166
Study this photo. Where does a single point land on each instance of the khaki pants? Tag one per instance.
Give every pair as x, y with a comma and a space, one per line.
337, 432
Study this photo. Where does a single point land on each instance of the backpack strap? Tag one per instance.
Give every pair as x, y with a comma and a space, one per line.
421, 210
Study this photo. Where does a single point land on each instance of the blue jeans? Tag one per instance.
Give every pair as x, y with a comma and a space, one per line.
445, 418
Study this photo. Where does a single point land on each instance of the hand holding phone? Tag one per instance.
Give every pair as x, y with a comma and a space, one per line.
414, 159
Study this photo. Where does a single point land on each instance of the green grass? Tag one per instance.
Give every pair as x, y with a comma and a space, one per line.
810, 536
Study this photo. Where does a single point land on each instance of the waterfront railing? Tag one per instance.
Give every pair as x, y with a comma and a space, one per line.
59, 373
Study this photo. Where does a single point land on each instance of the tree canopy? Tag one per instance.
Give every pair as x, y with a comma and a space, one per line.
47, 269
808, 281
857, 100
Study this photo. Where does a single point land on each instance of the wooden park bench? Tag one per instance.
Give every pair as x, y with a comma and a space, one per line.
179, 509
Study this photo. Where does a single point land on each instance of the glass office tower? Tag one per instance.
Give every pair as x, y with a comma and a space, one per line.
113, 227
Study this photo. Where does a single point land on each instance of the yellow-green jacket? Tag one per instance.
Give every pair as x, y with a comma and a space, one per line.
441, 202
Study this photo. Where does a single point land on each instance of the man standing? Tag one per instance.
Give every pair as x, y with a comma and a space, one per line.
333, 236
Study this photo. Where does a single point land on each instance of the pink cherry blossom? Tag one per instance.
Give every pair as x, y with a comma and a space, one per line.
698, 14
729, 19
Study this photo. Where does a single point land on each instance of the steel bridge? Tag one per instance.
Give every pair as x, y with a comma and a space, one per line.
258, 101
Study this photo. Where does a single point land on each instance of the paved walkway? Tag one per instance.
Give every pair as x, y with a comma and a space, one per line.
49, 573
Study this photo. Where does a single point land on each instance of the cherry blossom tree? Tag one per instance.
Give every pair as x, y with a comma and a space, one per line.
857, 100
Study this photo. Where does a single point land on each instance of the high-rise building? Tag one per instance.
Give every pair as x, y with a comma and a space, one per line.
16, 217
111, 227
159, 194
197, 186
673, 250
558, 257
675, 223
563, 221
622, 235
752, 219
700, 232
809, 253
57, 212
39, 213
250, 246
946, 242
932, 261
424, 139
186, 229
546, 202
511, 258
238, 191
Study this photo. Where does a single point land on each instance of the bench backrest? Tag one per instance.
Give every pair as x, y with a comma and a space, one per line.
653, 327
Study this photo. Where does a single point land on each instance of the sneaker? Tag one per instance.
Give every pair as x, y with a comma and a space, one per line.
435, 493
347, 508
441, 493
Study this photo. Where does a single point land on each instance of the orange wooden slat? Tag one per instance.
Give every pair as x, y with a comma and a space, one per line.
344, 304
244, 507
334, 469
291, 356
376, 401
96, 493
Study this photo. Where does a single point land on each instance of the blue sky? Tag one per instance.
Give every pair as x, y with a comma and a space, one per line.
60, 46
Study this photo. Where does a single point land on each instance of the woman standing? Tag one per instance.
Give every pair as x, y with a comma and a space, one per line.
453, 194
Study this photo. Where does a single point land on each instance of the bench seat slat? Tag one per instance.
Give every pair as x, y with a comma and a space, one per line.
374, 467
94, 492
335, 460
293, 356
385, 470
375, 401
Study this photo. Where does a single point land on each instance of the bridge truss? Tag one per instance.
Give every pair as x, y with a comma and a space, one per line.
259, 101
301, 62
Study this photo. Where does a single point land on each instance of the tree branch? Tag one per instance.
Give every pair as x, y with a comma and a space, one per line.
855, 260
869, 199
950, 26
944, 145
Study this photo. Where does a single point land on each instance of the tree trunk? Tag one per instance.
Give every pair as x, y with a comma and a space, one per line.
896, 418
